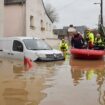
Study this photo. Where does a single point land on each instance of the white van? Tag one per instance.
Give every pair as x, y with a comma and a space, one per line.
34, 48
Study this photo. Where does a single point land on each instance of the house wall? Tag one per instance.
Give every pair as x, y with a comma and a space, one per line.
17, 21
1, 17
49, 28
14, 20
35, 8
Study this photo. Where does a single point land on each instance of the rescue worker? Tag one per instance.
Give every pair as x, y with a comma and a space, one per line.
64, 47
77, 41
90, 38
98, 43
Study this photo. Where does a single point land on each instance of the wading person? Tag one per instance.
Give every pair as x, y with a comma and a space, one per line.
64, 47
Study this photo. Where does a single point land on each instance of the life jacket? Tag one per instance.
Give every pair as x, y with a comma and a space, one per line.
91, 37
64, 46
98, 41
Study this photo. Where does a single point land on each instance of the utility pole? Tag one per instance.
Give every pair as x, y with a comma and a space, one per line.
101, 18
101, 12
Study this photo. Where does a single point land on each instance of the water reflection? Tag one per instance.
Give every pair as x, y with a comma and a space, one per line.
89, 70
19, 86
81, 69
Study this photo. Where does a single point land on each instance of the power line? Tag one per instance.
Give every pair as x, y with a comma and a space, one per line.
66, 5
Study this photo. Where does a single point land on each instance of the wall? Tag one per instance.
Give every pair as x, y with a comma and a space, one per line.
14, 20
1, 17
35, 8
17, 21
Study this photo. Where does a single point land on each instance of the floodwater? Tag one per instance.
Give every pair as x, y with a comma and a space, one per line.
70, 82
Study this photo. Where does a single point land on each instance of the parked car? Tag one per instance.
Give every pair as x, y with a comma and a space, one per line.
34, 48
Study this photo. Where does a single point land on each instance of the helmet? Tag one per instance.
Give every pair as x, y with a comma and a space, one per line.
88, 30
63, 40
98, 35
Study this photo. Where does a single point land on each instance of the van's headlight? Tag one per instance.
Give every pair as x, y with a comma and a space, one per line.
41, 55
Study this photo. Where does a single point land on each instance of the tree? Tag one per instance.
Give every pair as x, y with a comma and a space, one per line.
51, 12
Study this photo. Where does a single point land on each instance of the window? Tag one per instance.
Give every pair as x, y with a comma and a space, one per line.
17, 46
36, 44
41, 23
32, 22
42, 26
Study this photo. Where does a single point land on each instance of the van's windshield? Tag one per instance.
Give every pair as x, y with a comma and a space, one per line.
36, 44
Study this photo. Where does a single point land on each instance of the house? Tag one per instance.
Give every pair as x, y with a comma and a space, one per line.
62, 33
27, 18
1, 17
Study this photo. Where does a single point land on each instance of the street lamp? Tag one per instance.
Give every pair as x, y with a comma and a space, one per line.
101, 11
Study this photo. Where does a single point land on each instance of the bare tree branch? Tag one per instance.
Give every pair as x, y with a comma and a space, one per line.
51, 12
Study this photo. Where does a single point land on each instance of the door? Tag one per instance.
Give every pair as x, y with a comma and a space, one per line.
18, 50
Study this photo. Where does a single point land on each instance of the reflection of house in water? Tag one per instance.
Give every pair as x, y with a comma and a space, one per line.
21, 90
19, 87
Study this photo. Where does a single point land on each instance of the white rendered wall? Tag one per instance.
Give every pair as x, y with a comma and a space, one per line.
1, 17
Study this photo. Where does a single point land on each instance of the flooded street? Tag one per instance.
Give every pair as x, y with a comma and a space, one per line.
70, 82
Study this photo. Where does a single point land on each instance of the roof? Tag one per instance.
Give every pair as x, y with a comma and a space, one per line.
46, 11
10, 2
60, 31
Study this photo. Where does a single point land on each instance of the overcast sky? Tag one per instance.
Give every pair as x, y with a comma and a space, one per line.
76, 12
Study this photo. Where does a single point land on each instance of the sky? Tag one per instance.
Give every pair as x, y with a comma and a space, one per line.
76, 12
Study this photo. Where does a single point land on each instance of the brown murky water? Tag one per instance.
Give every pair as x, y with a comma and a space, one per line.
67, 82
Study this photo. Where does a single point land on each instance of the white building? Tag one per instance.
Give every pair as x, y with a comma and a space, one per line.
27, 18
1, 17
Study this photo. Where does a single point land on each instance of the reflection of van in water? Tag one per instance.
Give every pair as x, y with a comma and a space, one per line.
31, 47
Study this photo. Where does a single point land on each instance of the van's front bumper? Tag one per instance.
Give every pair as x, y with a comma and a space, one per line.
51, 58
